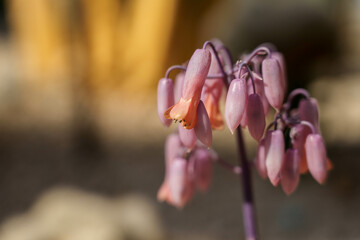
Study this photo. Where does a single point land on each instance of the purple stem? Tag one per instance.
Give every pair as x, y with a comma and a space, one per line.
248, 203
256, 51
173, 68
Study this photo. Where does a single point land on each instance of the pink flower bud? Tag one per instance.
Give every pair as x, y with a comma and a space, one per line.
202, 169
275, 148
274, 89
173, 148
308, 111
260, 162
187, 136
290, 171
255, 116
259, 87
178, 182
281, 60
236, 101
179, 85
195, 76
316, 157
203, 127
165, 99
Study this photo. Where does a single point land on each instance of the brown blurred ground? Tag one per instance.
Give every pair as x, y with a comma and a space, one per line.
77, 106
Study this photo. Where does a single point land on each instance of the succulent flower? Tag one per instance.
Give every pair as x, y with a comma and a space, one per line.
185, 111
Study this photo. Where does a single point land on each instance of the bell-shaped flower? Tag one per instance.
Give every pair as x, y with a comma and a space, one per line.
316, 157
308, 111
281, 60
187, 137
173, 148
236, 101
273, 83
203, 127
259, 88
275, 149
211, 94
290, 171
260, 159
197, 70
203, 168
255, 116
179, 85
298, 136
181, 189
165, 99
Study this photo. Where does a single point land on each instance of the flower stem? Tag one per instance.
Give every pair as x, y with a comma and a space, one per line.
245, 177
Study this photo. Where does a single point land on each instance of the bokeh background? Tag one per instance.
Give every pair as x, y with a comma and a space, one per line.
81, 148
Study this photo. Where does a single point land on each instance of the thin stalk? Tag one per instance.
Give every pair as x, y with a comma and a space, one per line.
249, 216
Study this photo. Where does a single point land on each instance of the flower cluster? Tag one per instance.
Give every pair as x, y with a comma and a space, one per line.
254, 84
185, 171
294, 146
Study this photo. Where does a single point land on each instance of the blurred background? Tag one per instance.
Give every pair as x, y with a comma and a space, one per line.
81, 146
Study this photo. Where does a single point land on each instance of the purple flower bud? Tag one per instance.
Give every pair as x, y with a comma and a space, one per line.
236, 101
187, 136
290, 171
178, 182
203, 127
281, 60
165, 99
202, 168
274, 89
255, 116
308, 111
259, 87
260, 162
316, 157
179, 84
173, 148
275, 148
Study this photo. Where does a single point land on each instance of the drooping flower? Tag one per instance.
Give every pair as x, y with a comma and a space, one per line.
308, 111
211, 94
173, 149
298, 136
290, 171
274, 84
275, 149
201, 171
165, 99
181, 189
316, 157
197, 70
236, 101
255, 116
